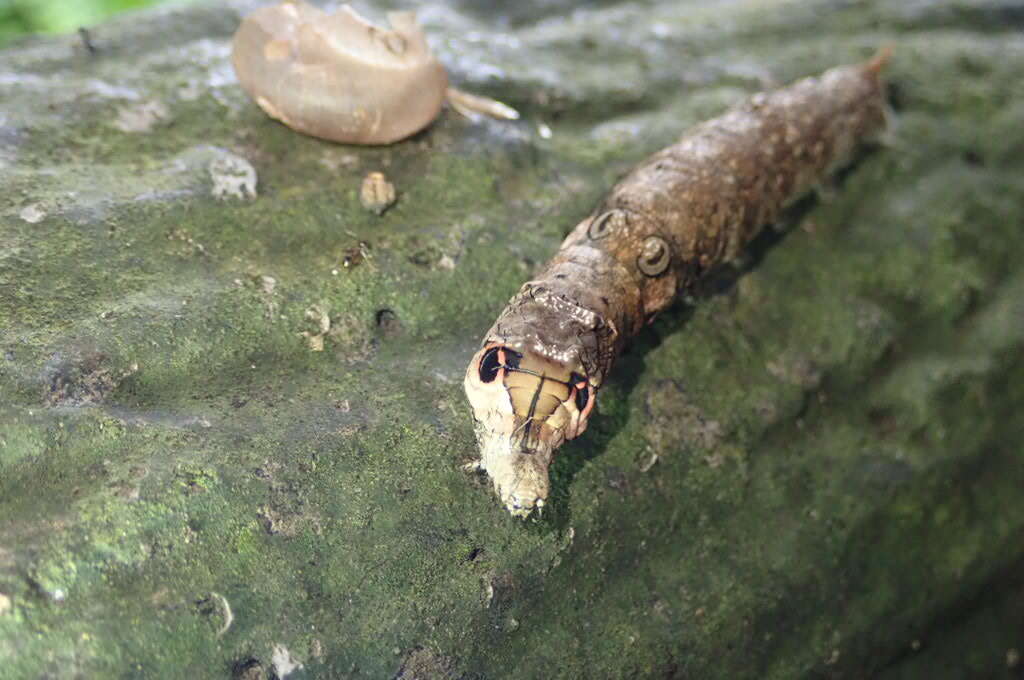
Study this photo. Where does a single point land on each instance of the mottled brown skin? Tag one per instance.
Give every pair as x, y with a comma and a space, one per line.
674, 218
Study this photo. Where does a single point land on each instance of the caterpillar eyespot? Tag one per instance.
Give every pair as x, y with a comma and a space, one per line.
655, 256
677, 215
490, 364
605, 224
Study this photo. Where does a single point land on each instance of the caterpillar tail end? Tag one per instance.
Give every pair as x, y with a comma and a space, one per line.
877, 63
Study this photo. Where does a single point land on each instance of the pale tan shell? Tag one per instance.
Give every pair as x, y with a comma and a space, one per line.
337, 76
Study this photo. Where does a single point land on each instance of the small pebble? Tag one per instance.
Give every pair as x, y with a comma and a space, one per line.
232, 176
141, 117
377, 194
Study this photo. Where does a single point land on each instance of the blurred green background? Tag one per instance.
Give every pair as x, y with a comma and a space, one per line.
21, 17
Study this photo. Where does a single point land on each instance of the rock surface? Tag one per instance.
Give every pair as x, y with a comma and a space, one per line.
812, 472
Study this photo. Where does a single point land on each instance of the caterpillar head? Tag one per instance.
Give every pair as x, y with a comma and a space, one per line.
524, 407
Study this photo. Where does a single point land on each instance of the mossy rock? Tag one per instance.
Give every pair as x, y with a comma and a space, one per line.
799, 474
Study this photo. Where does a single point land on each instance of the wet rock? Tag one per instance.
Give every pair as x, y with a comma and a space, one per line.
798, 477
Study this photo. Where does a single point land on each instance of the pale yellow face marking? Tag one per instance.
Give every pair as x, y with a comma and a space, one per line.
521, 419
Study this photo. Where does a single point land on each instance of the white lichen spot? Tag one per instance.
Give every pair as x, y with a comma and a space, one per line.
283, 662
267, 284
232, 176
33, 213
141, 116
322, 318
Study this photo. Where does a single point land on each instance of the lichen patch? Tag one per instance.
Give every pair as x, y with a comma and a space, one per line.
33, 213
141, 116
233, 177
82, 378
283, 662
675, 420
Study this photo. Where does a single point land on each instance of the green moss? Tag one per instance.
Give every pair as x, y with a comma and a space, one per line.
794, 477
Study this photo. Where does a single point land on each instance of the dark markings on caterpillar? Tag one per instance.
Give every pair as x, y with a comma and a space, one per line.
676, 216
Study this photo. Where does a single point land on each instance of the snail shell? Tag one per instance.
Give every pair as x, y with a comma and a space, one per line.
337, 76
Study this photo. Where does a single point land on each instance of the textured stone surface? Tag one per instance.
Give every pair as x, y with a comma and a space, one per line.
188, 490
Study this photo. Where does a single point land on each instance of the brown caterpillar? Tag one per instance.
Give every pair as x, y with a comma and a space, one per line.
677, 215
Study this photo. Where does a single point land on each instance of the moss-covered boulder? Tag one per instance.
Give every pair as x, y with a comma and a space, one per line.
231, 417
